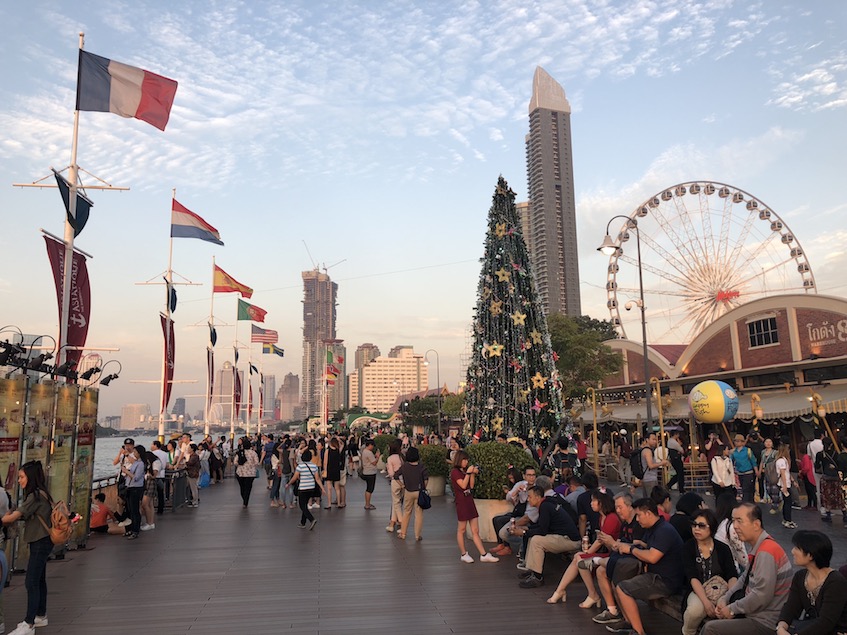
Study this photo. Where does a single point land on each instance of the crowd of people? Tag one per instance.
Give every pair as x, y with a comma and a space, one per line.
717, 561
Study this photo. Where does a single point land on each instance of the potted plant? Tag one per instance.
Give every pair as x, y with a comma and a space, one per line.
382, 441
494, 460
434, 458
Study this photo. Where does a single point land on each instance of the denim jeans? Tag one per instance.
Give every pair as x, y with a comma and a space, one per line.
287, 492
36, 578
275, 483
133, 503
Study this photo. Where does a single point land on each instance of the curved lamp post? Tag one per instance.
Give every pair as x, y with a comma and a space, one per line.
608, 248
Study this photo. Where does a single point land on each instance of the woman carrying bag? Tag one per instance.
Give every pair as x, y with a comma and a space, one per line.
308, 479
35, 511
415, 478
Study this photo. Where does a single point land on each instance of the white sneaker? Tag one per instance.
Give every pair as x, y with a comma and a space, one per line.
466, 557
143, 528
40, 620
23, 629
489, 558
125, 523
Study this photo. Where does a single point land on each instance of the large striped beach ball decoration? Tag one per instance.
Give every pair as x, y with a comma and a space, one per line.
713, 402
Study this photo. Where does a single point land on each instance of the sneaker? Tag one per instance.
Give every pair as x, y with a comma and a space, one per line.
607, 617
489, 558
143, 528
40, 620
132, 537
466, 557
274, 504
23, 629
827, 518
390, 529
522, 566
312, 524
532, 582
795, 506
125, 523
623, 627
303, 526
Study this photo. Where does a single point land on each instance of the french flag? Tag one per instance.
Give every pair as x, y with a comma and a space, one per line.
105, 85
187, 224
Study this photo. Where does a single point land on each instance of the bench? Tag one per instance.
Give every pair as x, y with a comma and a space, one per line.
670, 606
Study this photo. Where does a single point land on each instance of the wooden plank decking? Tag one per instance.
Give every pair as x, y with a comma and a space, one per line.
221, 568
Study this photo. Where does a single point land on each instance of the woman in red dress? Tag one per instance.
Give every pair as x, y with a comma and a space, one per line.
462, 479
584, 563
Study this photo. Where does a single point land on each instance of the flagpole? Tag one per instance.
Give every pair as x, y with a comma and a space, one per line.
169, 284
234, 379
212, 347
67, 273
324, 389
250, 384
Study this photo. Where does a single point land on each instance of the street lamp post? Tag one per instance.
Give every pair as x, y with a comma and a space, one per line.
437, 381
608, 248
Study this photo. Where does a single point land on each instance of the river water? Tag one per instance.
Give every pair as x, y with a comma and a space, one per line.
105, 451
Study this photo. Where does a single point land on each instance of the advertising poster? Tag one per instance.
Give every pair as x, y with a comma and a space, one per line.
12, 399
39, 416
61, 448
84, 462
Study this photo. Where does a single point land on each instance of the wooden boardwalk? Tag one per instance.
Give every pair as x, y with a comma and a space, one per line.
221, 568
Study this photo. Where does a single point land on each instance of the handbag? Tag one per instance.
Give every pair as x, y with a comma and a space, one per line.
424, 499
715, 588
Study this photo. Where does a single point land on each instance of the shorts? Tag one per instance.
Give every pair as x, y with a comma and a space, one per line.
102, 529
370, 482
646, 586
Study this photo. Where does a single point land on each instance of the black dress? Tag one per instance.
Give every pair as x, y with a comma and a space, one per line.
333, 465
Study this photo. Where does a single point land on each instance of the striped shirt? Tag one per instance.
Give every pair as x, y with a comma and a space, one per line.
307, 476
767, 589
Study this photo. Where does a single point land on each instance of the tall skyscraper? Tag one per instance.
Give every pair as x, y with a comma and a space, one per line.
289, 398
365, 353
385, 378
552, 238
269, 396
336, 392
319, 296
222, 395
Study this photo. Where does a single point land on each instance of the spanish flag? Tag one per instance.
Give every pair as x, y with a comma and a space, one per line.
225, 283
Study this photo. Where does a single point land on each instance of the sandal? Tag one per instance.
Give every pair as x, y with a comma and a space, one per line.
369, 507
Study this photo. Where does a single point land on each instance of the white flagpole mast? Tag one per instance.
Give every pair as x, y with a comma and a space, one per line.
234, 379
324, 389
211, 348
73, 174
169, 277
249, 376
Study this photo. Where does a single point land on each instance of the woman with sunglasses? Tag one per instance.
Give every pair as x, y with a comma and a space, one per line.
709, 569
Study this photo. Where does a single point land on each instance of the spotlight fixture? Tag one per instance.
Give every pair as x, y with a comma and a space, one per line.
38, 361
65, 370
108, 379
87, 375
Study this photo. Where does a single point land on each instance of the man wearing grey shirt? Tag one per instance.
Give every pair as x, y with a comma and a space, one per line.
675, 454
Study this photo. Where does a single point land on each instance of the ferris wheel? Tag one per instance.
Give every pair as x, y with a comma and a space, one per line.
706, 248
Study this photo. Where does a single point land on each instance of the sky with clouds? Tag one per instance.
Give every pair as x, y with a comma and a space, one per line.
374, 133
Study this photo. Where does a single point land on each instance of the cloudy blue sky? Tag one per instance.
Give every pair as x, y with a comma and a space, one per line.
375, 132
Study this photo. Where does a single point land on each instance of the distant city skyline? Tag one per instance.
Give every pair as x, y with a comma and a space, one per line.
353, 139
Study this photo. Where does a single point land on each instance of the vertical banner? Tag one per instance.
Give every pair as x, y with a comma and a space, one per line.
84, 462
80, 298
249, 400
61, 447
170, 351
237, 392
12, 400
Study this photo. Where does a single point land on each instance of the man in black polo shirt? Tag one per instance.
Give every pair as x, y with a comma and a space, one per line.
555, 532
661, 550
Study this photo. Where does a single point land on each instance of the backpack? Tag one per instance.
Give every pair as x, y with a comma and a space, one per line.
771, 474
60, 528
636, 466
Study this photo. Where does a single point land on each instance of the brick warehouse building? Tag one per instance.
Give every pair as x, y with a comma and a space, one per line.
785, 355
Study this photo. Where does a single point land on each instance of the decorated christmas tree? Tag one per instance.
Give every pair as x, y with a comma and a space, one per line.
512, 383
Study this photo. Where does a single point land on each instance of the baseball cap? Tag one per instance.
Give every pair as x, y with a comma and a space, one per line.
624, 431
130, 441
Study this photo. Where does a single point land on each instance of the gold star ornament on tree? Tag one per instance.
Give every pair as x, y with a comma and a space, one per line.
502, 275
536, 337
538, 380
496, 307
500, 230
518, 318
494, 350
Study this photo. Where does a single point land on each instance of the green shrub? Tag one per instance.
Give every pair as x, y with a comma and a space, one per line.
494, 460
434, 458
381, 441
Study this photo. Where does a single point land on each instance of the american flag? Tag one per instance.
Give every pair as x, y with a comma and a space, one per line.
263, 336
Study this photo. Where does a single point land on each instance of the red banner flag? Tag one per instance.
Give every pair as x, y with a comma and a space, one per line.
80, 304
249, 400
170, 355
